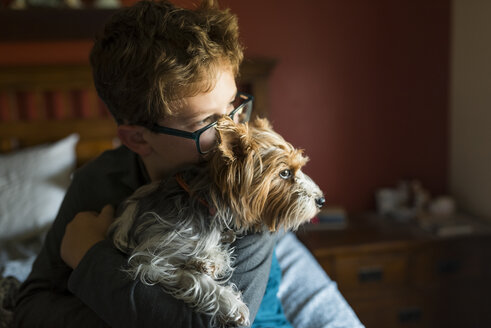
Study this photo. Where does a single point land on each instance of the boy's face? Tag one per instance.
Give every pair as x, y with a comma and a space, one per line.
170, 152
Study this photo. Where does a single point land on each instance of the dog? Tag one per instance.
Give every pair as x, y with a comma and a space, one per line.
178, 231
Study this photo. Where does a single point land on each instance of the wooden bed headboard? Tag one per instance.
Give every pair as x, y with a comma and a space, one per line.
40, 104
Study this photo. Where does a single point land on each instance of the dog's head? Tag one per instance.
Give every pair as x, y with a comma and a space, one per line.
259, 175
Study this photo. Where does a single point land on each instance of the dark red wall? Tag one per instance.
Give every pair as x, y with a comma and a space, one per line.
360, 85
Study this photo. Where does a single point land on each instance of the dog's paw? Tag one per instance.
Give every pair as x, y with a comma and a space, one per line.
239, 318
243, 315
235, 313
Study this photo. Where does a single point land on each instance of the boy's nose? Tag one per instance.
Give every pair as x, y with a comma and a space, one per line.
320, 201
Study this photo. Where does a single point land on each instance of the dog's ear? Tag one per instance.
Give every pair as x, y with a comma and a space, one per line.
234, 141
261, 123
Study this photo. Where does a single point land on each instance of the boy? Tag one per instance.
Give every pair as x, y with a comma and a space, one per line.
155, 66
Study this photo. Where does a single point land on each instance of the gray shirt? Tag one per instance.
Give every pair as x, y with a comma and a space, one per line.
97, 293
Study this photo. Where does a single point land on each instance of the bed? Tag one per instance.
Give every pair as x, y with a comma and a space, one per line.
51, 122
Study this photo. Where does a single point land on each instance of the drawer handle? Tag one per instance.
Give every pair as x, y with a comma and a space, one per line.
370, 274
449, 266
410, 314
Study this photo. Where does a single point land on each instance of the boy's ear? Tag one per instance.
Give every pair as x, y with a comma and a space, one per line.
132, 137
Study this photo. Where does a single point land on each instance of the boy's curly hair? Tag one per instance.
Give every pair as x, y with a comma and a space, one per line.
153, 54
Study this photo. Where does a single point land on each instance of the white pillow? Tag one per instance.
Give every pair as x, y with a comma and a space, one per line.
33, 182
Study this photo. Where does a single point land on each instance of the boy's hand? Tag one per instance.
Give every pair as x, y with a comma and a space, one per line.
83, 232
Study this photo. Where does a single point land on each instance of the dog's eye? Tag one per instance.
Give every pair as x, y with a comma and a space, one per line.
286, 174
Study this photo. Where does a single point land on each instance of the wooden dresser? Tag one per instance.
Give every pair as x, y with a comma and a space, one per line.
398, 275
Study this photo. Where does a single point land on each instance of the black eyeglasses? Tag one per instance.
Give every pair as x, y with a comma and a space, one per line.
205, 137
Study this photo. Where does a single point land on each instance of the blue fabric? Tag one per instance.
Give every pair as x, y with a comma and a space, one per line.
270, 312
309, 297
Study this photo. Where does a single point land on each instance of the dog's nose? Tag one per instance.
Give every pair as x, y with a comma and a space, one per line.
320, 201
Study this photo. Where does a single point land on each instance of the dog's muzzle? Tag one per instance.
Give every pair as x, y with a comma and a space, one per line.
319, 202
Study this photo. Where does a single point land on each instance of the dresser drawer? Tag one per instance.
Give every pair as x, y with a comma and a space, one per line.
396, 275
374, 270
400, 308
446, 262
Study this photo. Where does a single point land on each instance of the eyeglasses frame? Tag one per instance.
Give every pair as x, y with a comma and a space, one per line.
196, 134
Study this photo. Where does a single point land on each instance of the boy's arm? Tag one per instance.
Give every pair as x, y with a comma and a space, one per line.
83, 232
122, 302
103, 263
106, 296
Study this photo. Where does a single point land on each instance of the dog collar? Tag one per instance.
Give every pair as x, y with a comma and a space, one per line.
228, 235
186, 188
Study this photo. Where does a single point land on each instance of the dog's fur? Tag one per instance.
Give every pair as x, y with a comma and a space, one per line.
181, 239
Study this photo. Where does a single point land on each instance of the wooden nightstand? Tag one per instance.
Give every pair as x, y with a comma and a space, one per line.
398, 275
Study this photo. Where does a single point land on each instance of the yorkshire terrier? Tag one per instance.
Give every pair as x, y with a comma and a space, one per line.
178, 231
